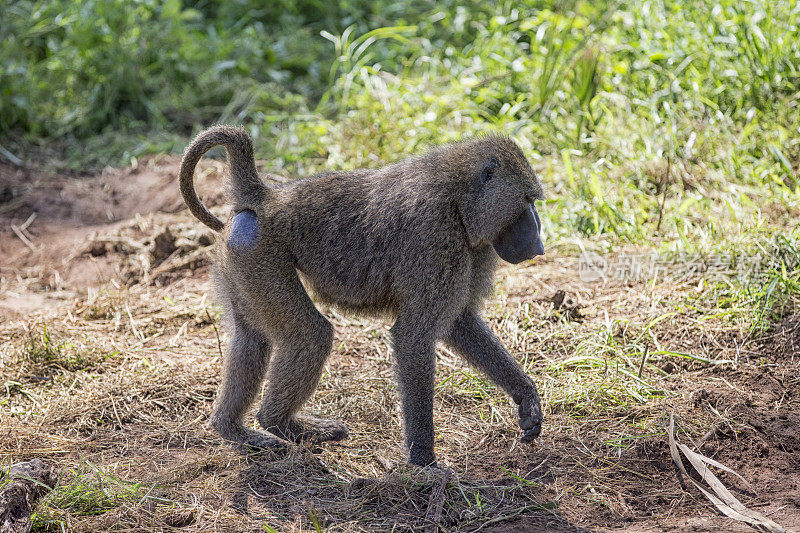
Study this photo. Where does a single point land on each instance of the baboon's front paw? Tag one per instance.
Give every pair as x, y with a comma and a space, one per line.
422, 457
434, 466
530, 417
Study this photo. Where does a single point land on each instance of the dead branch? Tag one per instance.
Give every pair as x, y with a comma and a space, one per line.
29, 482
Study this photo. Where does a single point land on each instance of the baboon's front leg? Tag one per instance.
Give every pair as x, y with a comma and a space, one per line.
471, 338
415, 367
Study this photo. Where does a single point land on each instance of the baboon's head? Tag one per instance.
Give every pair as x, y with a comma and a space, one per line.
497, 202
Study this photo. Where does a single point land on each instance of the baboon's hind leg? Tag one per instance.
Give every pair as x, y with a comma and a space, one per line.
303, 342
243, 371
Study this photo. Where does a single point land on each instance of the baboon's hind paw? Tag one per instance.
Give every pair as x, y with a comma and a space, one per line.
261, 441
323, 430
249, 440
313, 429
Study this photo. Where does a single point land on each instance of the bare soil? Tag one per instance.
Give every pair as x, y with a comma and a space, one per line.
110, 354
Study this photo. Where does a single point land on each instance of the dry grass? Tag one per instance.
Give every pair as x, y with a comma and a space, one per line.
115, 387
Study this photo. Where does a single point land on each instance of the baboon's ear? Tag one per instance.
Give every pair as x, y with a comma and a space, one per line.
488, 170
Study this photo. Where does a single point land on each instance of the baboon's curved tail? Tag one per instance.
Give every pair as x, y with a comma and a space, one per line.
246, 186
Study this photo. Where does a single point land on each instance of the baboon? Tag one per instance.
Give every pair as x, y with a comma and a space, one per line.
416, 242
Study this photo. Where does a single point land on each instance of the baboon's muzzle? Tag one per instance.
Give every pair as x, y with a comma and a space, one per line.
520, 240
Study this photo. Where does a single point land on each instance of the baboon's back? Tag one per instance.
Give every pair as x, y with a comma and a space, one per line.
357, 237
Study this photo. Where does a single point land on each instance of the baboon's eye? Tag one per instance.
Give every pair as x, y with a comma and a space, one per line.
488, 170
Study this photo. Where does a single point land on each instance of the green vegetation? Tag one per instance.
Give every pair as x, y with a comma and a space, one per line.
46, 353
672, 119
767, 288
87, 491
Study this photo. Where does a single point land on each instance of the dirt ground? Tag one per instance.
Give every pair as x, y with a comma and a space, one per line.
110, 353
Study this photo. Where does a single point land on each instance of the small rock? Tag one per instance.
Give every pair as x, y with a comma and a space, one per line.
98, 249
180, 518
163, 245
566, 305
6, 194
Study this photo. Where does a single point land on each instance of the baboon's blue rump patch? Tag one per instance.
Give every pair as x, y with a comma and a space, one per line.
244, 230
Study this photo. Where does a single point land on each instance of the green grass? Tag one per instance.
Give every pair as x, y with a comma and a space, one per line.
744, 288
87, 491
646, 125
45, 351
604, 371
763, 286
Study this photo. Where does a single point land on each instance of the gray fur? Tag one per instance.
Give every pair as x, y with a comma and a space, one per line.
409, 241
